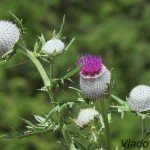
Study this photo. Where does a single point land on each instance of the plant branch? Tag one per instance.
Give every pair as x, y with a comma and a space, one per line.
106, 123
63, 127
38, 65
143, 128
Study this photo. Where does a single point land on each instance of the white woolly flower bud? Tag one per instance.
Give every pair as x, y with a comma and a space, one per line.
86, 116
9, 35
95, 87
139, 98
52, 45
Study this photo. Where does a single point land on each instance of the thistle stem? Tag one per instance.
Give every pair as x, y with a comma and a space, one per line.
106, 123
143, 129
66, 135
51, 74
51, 71
64, 130
38, 65
47, 82
96, 138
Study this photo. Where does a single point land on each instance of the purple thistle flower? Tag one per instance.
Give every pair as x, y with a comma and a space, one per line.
92, 65
94, 77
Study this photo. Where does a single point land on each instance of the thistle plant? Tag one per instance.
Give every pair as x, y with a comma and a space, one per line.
92, 125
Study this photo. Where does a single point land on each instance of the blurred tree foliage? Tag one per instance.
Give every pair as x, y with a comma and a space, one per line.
118, 30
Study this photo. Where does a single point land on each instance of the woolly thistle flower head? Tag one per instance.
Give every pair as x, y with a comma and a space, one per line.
86, 116
9, 35
94, 77
139, 98
53, 45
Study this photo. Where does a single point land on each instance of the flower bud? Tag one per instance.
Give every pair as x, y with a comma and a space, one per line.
53, 45
9, 35
139, 98
94, 77
86, 116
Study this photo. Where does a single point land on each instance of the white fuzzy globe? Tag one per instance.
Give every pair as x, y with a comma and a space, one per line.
53, 44
86, 116
9, 35
139, 98
95, 87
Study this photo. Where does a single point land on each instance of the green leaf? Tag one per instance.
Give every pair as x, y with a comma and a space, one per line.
25, 134
36, 46
70, 73
8, 55
32, 125
18, 22
73, 88
120, 109
39, 44
55, 109
79, 145
78, 135
54, 33
60, 33
42, 40
120, 101
40, 119
72, 40
59, 108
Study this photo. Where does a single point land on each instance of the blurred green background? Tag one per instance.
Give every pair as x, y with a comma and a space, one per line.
118, 30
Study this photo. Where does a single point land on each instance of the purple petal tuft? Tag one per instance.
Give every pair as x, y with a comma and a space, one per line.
91, 65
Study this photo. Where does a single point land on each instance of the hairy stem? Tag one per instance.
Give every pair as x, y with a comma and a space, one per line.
51, 74
38, 65
51, 71
46, 81
143, 129
97, 138
106, 123
66, 135
64, 130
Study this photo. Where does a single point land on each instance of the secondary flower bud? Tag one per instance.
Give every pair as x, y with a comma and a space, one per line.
9, 35
53, 45
86, 116
94, 77
139, 98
